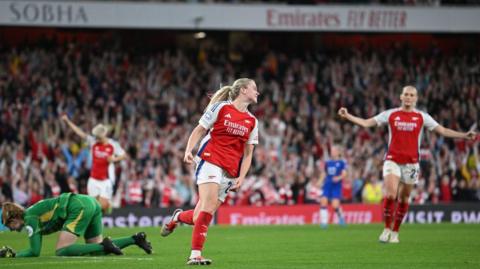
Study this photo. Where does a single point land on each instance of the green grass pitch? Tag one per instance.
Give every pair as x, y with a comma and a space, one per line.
355, 246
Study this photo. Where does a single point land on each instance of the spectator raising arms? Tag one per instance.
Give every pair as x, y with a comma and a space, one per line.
154, 98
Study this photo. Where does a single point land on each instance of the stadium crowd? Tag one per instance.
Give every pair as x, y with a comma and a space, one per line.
153, 99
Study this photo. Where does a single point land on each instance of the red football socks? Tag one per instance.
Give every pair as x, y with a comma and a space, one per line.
186, 217
399, 214
200, 229
388, 209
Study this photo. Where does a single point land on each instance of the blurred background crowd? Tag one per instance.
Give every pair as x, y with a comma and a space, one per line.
152, 99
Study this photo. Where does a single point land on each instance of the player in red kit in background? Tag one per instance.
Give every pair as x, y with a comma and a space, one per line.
401, 168
105, 152
224, 157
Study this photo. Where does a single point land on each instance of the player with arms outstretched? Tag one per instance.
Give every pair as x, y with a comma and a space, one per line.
105, 152
401, 168
229, 134
73, 215
335, 172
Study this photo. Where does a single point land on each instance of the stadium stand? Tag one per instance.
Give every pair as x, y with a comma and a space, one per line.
153, 97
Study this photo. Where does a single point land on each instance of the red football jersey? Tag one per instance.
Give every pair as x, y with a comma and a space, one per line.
229, 131
405, 131
101, 168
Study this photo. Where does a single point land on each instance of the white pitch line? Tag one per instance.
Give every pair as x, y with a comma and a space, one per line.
88, 260
99, 258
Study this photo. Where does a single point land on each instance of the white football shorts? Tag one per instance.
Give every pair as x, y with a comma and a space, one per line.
408, 173
206, 172
102, 188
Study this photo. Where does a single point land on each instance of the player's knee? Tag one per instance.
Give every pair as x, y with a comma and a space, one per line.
390, 192
209, 209
390, 195
208, 205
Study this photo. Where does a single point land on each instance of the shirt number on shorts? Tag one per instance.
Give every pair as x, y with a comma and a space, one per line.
230, 183
414, 173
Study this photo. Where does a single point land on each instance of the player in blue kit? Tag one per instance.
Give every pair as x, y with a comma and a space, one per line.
335, 172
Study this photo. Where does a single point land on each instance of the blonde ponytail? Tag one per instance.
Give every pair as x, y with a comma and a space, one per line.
223, 94
229, 93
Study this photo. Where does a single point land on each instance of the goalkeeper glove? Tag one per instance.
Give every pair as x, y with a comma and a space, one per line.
7, 252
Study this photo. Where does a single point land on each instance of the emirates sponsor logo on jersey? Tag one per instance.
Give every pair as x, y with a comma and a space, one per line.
235, 128
405, 126
100, 154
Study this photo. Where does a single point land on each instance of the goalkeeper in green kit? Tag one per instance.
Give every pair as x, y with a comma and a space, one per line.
74, 215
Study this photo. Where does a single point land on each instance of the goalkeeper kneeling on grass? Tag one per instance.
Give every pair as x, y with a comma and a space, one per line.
74, 215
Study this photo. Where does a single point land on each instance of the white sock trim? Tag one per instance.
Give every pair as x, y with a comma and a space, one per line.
175, 217
195, 253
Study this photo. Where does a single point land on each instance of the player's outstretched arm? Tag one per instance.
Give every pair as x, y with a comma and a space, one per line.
74, 127
343, 113
455, 134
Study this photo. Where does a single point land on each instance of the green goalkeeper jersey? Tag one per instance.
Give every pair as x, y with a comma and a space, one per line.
47, 216
75, 213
